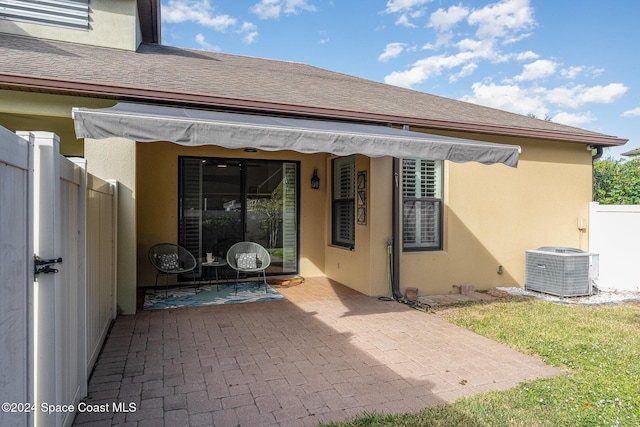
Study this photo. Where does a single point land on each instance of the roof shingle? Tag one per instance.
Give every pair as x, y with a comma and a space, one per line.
211, 74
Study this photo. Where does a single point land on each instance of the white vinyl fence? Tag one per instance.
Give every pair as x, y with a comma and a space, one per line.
101, 264
614, 233
61, 285
16, 273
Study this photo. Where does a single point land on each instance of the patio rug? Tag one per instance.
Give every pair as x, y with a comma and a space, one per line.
154, 299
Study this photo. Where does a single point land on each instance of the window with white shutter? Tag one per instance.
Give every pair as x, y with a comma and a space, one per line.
343, 200
422, 204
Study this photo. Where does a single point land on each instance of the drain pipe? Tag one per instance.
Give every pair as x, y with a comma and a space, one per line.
598, 153
595, 156
395, 218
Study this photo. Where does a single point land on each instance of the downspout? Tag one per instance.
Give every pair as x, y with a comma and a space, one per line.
395, 218
598, 153
594, 157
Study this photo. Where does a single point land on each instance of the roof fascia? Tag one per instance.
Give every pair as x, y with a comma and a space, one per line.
119, 92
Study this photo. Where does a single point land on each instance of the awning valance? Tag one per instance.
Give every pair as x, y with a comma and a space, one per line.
191, 127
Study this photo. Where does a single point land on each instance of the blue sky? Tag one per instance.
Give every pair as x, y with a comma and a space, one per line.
576, 62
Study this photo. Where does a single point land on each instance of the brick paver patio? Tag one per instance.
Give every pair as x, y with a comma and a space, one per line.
327, 353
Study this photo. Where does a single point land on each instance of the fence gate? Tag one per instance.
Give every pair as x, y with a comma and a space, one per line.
55, 309
16, 277
59, 293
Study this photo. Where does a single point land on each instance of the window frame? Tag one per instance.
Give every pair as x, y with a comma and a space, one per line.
436, 199
244, 196
340, 201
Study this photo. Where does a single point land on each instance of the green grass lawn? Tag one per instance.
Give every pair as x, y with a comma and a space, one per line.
599, 347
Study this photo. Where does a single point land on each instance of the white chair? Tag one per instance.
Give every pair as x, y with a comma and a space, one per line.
249, 258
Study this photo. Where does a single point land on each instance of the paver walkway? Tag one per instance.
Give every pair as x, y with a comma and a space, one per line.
327, 353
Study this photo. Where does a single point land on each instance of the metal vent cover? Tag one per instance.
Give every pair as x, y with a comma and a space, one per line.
60, 13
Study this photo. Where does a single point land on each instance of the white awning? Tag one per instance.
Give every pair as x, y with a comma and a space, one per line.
191, 127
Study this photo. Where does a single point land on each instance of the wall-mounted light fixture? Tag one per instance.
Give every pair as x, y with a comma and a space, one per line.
222, 163
315, 180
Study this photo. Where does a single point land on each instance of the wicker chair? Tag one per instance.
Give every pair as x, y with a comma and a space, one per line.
169, 258
248, 258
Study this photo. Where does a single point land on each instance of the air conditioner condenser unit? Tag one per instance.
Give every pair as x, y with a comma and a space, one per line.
564, 272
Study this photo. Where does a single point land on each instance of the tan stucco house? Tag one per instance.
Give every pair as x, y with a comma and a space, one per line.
208, 148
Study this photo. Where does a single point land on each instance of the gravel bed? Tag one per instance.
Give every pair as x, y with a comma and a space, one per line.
603, 297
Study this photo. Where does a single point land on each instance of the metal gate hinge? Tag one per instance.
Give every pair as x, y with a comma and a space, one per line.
44, 265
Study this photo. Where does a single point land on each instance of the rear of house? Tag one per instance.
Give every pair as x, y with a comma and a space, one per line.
425, 222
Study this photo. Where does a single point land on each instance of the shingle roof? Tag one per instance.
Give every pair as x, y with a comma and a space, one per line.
157, 72
632, 153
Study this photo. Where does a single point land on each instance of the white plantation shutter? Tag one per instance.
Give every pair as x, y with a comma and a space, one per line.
191, 206
289, 217
422, 204
343, 210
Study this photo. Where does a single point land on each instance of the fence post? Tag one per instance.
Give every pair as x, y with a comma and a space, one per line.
82, 272
114, 310
47, 245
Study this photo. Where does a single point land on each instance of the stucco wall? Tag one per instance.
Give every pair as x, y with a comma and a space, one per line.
350, 267
45, 112
157, 196
115, 158
494, 213
111, 24
365, 269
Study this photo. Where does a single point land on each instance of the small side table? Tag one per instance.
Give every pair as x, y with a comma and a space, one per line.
215, 265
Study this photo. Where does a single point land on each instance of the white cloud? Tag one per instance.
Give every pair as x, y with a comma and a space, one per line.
426, 68
571, 72
249, 31
537, 70
580, 95
496, 24
272, 9
525, 56
392, 50
510, 98
443, 20
324, 37
507, 19
573, 119
201, 12
404, 21
540, 101
202, 42
480, 49
632, 113
267, 9
198, 11
466, 71
464, 39
395, 6
471, 52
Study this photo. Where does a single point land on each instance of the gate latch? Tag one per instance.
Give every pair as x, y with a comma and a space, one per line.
44, 265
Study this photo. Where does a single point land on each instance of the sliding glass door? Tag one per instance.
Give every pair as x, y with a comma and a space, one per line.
224, 201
